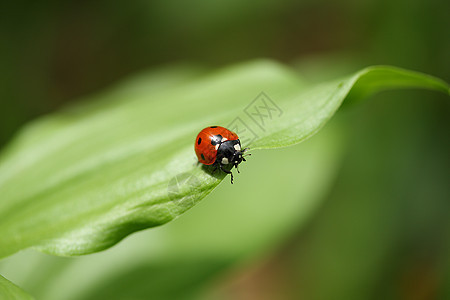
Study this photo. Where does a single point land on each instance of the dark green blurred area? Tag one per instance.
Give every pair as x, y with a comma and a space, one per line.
384, 230
56, 51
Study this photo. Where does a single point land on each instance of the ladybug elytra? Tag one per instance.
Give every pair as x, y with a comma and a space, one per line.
219, 146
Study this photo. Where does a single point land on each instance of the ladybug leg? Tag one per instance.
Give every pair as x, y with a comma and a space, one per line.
226, 171
214, 169
236, 166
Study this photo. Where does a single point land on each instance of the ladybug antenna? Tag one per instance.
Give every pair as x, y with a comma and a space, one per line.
245, 152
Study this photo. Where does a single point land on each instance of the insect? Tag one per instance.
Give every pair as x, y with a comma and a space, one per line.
219, 146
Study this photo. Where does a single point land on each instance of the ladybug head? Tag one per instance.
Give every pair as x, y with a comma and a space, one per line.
230, 152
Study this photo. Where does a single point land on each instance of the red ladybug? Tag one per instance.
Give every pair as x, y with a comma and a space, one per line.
220, 146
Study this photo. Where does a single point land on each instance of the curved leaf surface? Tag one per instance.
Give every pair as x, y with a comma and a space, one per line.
10, 291
79, 181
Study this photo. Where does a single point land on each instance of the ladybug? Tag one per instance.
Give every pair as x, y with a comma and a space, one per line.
219, 146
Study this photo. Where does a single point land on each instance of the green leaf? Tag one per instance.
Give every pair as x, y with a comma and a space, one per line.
182, 257
79, 181
10, 291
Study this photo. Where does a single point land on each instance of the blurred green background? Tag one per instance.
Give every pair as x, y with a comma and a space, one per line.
381, 228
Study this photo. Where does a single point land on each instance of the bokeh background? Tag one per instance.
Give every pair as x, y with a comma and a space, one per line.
381, 229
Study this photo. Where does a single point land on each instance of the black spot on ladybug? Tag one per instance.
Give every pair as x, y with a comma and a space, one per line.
199, 141
213, 127
216, 139
203, 157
